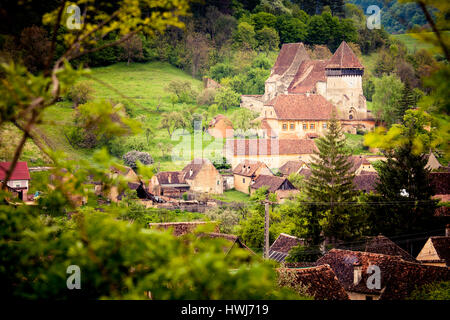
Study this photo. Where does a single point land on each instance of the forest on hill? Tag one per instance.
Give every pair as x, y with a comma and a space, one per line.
233, 42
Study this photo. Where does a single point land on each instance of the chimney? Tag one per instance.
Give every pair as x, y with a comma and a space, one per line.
191, 172
447, 230
169, 177
357, 273
307, 93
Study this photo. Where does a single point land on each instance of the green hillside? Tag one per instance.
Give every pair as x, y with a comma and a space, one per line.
140, 86
412, 43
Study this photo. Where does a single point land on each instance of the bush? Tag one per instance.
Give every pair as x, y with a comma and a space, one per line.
182, 90
303, 253
130, 158
80, 93
228, 218
432, 291
206, 97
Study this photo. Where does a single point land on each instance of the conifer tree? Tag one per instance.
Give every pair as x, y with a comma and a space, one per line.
406, 102
330, 187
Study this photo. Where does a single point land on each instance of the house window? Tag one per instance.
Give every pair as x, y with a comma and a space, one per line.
284, 126
243, 180
292, 126
311, 126
305, 126
218, 182
324, 125
369, 298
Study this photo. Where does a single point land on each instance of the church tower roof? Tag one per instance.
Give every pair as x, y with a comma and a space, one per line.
344, 58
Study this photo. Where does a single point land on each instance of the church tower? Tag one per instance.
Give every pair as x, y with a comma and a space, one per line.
344, 84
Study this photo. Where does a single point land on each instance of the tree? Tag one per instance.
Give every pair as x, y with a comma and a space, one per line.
182, 91
132, 157
227, 98
198, 49
268, 39
302, 253
132, 48
406, 102
81, 92
244, 36
263, 19
243, 119
432, 291
170, 121
291, 30
330, 187
318, 31
385, 100
404, 182
35, 46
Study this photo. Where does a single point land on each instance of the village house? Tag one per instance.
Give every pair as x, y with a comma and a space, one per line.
230, 241
298, 116
301, 93
199, 175
182, 228
433, 162
246, 172
19, 181
282, 187
320, 281
273, 152
291, 167
202, 176
361, 165
436, 251
169, 184
383, 245
280, 248
221, 127
398, 278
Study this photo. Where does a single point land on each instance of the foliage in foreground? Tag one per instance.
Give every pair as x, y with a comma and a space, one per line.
120, 260
432, 291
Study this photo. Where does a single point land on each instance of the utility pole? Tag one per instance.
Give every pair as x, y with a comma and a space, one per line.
266, 227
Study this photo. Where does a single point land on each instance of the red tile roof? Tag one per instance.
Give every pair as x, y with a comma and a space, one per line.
280, 248
366, 182
301, 107
247, 168
291, 167
263, 147
321, 282
182, 228
191, 170
20, 171
309, 73
287, 55
440, 182
343, 58
274, 183
383, 245
398, 277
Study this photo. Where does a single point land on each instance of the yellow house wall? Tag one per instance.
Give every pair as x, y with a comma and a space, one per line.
207, 180
240, 185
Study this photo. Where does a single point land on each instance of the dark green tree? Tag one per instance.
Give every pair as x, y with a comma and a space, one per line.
330, 188
403, 204
407, 101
